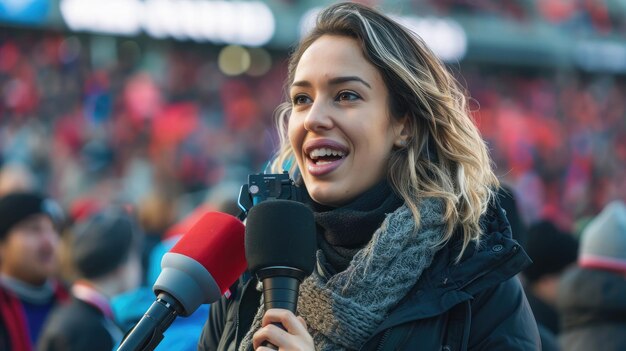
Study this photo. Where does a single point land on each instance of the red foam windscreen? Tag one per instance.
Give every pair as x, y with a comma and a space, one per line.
216, 241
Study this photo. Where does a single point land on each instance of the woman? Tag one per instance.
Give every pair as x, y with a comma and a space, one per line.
414, 251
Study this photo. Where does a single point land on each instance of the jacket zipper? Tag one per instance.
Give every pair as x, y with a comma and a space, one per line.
383, 339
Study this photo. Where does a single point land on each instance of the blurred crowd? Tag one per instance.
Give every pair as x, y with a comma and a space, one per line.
558, 138
160, 133
118, 131
584, 16
92, 127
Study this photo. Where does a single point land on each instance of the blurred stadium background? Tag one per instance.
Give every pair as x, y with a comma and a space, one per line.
155, 102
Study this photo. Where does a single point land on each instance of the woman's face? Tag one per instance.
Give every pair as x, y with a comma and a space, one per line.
340, 128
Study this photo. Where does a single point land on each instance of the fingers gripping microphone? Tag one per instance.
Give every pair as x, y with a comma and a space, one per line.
280, 249
202, 265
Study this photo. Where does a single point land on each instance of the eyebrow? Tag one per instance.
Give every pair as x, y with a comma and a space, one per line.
333, 81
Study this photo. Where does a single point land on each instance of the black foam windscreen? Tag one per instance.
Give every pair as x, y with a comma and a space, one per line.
280, 233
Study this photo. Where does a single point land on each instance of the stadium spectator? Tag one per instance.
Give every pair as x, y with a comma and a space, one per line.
592, 295
29, 240
552, 252
105, 250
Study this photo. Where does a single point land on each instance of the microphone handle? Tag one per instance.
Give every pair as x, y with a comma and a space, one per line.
148, 332
280, 292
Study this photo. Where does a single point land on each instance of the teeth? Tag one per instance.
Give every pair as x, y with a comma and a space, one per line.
316, 153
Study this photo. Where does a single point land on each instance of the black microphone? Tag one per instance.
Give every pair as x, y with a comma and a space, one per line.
280, 246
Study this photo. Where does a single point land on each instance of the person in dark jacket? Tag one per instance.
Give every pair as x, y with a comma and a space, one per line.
29, 242
414, 252
552, 251
592, 295
105, 252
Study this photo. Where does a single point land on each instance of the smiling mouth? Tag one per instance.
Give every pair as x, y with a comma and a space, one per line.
323, 156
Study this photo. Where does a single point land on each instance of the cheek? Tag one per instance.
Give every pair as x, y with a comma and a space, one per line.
294, 126
14, 255
291, 135
295, 135
375, 139
20, 245
376, 149
55, 240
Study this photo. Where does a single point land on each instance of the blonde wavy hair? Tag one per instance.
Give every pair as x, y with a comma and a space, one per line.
446, 157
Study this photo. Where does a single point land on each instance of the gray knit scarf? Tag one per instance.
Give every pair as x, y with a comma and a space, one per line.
343, 311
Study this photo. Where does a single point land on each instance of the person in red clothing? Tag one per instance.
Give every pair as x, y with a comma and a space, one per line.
29, 240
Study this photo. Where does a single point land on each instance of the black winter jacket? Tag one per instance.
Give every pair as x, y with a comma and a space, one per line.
78, 326
477, 304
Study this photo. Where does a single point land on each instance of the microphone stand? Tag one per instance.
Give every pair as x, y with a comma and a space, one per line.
148, 333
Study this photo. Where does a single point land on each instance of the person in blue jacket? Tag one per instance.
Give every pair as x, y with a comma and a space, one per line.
414, 251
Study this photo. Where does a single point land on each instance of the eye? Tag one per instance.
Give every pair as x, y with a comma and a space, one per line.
300, 99
347, 96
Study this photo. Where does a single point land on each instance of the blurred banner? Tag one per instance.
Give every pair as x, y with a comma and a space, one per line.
235, 22
30, 12
534, 34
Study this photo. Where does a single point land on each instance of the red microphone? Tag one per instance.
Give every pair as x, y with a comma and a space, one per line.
202, 265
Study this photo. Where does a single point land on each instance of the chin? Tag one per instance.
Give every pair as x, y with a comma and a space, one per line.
328, 196
321, 196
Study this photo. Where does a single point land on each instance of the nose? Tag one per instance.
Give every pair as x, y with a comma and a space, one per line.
319, 117
50, 238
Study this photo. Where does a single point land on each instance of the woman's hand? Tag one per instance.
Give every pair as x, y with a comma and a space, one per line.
294, 338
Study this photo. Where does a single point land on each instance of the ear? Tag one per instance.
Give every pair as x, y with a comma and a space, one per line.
401, 130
